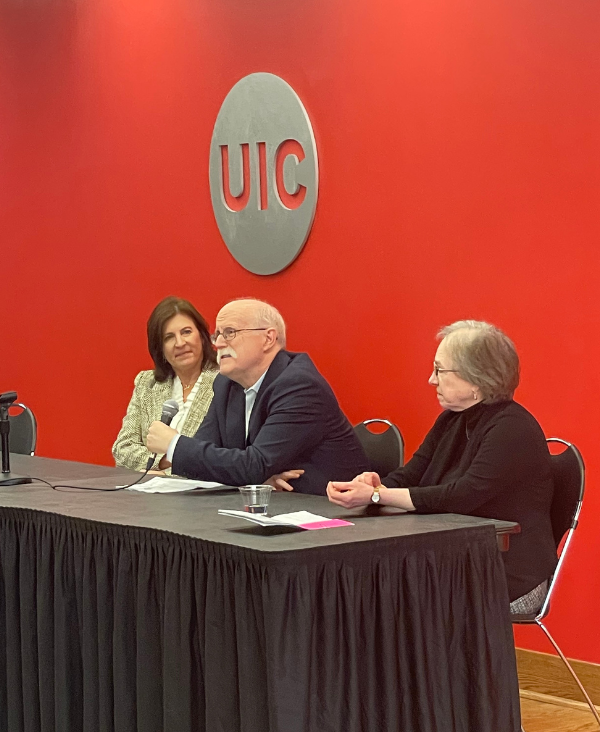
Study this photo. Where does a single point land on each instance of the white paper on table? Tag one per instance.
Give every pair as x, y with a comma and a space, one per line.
172, 485
298, 519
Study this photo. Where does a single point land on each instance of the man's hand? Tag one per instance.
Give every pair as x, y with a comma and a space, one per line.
159, 438
350, 495
279, 481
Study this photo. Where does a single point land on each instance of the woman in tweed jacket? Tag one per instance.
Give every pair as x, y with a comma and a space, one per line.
184, 369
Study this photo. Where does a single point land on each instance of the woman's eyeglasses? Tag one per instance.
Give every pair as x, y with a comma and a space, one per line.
437, 371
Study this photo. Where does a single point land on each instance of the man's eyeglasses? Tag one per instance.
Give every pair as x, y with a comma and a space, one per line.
230, 333
437, 371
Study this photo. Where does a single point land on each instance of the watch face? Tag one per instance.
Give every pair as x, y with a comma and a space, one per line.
375, 497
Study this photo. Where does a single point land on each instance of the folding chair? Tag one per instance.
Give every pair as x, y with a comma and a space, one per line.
23, 431
385, 450
568, 472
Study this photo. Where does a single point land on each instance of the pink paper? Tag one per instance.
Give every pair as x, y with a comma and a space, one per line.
330, 524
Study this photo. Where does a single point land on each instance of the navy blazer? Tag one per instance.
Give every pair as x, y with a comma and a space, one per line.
296, 423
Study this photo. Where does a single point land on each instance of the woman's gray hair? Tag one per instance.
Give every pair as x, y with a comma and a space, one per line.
266, 316
484, 356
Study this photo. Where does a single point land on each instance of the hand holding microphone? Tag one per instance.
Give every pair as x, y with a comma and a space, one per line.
160, 434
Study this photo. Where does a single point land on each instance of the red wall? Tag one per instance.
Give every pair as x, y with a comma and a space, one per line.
459, 148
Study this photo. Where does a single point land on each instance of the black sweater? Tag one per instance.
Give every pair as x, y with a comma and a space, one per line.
490, 460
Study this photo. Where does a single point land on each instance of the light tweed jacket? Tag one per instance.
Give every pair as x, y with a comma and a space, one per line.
145, 407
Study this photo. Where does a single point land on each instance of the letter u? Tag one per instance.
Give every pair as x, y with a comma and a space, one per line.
236, 203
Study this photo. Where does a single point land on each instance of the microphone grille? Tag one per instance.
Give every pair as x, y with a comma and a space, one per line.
169, 410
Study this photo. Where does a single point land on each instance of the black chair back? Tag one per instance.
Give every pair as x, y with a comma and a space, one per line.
385, 450
23, 431
568, 472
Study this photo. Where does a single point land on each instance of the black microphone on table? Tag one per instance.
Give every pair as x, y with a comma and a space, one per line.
169, 410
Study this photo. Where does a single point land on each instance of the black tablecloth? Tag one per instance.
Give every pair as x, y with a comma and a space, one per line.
111, 621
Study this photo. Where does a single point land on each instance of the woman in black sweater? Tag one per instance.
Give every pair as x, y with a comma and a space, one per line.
485, 456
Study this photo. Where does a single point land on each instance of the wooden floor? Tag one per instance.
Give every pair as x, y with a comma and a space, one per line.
542, 717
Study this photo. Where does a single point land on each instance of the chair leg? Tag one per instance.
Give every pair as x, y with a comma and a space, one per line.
573, 674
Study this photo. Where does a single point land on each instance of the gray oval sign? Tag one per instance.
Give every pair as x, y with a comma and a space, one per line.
263, 173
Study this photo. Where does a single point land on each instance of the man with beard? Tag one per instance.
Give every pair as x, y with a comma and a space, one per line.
273, 417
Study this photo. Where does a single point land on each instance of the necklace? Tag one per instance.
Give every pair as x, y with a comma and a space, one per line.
189, 386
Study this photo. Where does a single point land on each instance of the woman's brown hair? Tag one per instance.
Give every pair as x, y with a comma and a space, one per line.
160, 316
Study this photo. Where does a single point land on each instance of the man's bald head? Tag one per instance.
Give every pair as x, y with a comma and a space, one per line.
260, 314
250, 334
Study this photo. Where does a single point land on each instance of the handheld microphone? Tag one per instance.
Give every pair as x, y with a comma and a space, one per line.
169, 410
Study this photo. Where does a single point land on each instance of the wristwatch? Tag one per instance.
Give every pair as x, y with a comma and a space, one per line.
375, 497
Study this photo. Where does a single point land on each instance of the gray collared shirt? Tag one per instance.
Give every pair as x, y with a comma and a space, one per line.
250, 394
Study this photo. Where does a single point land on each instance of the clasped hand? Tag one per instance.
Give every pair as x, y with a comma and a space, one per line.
356, 493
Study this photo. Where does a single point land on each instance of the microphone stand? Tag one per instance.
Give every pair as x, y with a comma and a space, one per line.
8, 478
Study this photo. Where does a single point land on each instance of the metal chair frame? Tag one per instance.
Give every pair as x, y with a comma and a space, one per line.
543, 612
395, 431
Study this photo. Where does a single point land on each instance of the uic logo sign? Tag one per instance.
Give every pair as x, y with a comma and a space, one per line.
263, 173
